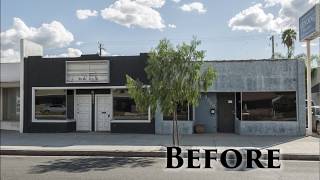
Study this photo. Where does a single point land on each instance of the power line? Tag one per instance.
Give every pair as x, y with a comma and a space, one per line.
272, 42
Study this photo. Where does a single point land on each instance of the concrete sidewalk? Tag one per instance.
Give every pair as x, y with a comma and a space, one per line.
13, 143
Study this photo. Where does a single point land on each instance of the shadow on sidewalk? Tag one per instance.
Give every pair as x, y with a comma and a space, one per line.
78, 165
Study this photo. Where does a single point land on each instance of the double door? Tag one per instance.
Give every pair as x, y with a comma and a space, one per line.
93, 113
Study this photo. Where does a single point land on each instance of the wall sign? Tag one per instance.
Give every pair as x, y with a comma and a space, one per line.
309, 24
88, 71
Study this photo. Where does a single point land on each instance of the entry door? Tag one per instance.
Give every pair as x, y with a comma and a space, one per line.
83, 112
103, 116
226, 112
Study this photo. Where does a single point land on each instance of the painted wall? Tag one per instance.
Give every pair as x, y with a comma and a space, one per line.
27, 48
9, 72
50, 72
271, 128
255, 75
263, 76
202, 112
165, 127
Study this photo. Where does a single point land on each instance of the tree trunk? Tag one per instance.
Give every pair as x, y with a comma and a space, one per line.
176, 128
173, 131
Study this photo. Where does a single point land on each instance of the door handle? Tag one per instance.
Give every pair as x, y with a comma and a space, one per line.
104, 112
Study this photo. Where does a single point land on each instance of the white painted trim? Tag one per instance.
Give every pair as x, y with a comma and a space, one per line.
53, 121
21, 84
96, 109
235, 106
130, 121
84, 87
33, 104
34, 120
241, 106
133, 121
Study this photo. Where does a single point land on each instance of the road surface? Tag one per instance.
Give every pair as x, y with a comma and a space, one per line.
78, 168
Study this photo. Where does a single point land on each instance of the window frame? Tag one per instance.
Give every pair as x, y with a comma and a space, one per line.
87, 82
296, 104
34, 120
128, 120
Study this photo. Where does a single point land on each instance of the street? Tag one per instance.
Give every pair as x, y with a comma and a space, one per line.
55, 168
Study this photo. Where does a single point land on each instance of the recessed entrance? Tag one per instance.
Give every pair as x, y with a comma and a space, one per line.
226, 112
103, 112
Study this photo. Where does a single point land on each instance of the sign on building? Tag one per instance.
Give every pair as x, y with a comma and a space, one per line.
87, 71
309, 24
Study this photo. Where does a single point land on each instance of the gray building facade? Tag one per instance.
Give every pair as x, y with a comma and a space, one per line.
250, 97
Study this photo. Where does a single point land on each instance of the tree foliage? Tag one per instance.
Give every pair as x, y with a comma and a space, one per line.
175, 75
289, 37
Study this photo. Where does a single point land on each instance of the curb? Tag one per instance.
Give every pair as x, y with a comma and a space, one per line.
156, 154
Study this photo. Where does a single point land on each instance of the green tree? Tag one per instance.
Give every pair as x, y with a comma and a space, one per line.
288, 39
278, 55
176, 77
314, 58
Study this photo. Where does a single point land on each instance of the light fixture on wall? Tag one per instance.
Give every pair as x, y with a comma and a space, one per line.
212, 111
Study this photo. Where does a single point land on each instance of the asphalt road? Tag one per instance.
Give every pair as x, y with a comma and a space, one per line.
56, 168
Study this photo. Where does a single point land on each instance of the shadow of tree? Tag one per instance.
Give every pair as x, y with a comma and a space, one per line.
77, 165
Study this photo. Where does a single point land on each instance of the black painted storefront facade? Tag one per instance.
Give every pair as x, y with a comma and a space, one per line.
51, 72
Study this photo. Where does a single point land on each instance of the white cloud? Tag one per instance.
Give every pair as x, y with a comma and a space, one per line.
79, 43
71, 52
85, 13
176, 1
151, 3
52, 35
132, 13
173, 26
256, 17
9, 56
195, 6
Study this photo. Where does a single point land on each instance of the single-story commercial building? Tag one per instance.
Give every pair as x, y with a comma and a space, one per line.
88, 93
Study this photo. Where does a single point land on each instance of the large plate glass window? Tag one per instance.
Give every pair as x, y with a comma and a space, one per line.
269, 106
50, 105
124, 107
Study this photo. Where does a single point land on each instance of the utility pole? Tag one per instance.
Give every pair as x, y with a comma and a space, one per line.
309, 98
100, 46
272, 42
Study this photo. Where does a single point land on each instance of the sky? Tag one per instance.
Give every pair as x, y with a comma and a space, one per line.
228, 29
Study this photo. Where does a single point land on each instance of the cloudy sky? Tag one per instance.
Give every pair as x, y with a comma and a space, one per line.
228, 29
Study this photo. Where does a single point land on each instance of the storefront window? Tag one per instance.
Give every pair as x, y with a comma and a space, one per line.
269, 106
124, 107
50, 104
184, 113
11, 104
